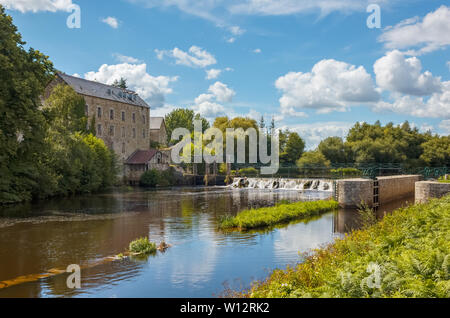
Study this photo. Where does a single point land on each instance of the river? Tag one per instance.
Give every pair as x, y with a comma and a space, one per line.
202, 261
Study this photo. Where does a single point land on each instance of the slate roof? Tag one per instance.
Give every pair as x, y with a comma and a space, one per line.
95, 89
141, 157
156, 122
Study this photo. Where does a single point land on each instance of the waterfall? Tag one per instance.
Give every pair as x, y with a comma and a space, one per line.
284, 184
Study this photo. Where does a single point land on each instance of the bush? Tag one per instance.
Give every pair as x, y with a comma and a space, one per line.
150, 178
142, 246
248, 172
281, 213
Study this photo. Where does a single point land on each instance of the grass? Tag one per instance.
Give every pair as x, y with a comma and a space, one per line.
264, 217
142, 246
442, 180
411, 249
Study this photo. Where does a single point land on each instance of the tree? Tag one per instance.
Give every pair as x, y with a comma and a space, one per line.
23, 77
334, 149
293, 148
122, 83
313, 159
182, 118
436, 151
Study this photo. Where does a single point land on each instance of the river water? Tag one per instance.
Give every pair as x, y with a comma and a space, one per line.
84, 230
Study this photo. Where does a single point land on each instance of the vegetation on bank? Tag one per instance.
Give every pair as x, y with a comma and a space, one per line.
281, 213
46, 149
153, 178
142, 246
407, 254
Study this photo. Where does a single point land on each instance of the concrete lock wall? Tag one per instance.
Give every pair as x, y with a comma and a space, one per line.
353, 192
396, 187
425, 190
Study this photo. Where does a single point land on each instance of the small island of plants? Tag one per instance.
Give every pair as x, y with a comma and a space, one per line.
269, 216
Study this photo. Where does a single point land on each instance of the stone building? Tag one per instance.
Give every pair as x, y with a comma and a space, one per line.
143, 160
158, 132
122, 118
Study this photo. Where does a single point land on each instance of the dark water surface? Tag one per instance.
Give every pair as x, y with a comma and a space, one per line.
35, 238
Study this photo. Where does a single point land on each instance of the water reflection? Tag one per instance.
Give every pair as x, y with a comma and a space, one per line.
37, 237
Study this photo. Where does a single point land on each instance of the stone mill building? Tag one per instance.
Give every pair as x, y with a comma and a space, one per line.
122, 118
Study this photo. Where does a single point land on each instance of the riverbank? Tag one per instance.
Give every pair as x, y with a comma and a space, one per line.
407, 254
258, 218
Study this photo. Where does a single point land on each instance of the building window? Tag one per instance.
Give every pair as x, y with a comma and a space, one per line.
99, 130
111, 114
134, 132
111, 130
134, 117
99, 112
143, 133
143, 119
123, 116
123, 147
123, 132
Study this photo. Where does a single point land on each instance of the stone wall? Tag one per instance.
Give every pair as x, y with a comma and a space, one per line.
352, 192
425, 190
396, 187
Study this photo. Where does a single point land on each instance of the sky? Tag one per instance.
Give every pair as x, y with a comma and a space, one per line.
316, 67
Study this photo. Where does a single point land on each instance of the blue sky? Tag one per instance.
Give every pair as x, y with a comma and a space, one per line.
315, 68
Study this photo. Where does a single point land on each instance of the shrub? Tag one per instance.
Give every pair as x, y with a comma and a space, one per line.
150, 178
248, 172
142, 246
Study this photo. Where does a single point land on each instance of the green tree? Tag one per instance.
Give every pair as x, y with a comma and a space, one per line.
182, 118
23, 77
293, 149
436, 151
335, 150
313, 159
122, 83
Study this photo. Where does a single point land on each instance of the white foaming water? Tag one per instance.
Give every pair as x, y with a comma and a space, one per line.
284, 184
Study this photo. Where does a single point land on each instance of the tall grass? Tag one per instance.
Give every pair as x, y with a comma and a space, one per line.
281, 213
411, 248
142, 246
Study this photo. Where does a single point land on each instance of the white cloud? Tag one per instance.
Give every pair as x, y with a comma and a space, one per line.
330, 86
314, 133
436, 106
445, 126
196, 57
38, 5
151, 88
236, 30
208, 105
162, 111
231, 40
430, 34
111, 21
396, 73
257, 51
126, 59
221, 92
213, 73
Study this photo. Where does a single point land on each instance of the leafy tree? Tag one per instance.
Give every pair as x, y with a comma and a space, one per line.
182, 118
150, 178
436, 151
335, 150
293, 148
312, 159
23, 77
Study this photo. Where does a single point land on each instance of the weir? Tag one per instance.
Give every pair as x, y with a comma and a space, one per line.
350, 193
284, 184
